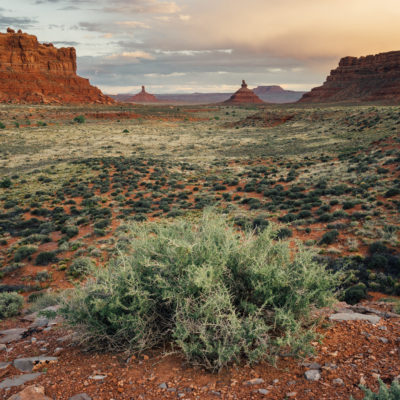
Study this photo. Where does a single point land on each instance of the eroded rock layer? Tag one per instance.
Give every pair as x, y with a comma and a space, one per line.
244, 96
31, 72
370, 78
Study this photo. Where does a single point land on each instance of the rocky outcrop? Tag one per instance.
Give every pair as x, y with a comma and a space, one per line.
31, 72
370, 78
142, 97
244, 96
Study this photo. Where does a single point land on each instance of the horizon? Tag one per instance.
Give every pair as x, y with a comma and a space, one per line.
187, 46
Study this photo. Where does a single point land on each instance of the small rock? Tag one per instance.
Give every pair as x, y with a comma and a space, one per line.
263, 391
3, 347
40, 322
4, 365
28, 364
215, 393
255, 381
97, 377
291, 394
18, 380
338, 382
80, 396
275, 381
58, 351
163, 385
12, 335
382, 328
31, 393
384, 340
374, 319
313, 375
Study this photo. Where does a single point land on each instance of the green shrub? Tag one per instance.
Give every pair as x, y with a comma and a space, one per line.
10, 304
355, 293
385, 393
80, 119
23, 252
80, 267
46, 257
329, 237
2, 126
5, 183
218, 295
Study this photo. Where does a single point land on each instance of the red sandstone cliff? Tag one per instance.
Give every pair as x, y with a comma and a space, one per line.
244, 96
31, 72
370, 78
142, 97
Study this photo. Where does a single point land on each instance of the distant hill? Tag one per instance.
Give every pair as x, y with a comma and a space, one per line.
269, 94
276, 94
370, 78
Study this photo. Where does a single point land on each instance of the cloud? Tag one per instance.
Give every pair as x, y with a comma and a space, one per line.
143, 7
17, 22
172, 74
131, 56
66, 43
133, 24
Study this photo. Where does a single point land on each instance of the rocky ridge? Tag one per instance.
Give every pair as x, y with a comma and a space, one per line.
363, 79
32, 72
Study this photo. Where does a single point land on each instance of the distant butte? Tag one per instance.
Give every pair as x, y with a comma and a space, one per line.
370, 78
142, 97
244, 96
31, 72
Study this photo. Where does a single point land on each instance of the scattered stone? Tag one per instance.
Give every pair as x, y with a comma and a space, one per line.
40, 322
80, 396
382, 328
255, 381
98, 377
384, 340
3, 347
291, 394
374, 319
215, 393
58, 351
313, 375
163, 385
28, 364
31, 393
4, 365
263, 391
312, 365
338, 382
12, 335
18, 380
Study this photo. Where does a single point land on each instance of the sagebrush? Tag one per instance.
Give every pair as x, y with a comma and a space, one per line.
218, 294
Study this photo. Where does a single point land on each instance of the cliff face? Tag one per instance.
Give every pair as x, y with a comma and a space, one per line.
370, 78
244, 96
31, 72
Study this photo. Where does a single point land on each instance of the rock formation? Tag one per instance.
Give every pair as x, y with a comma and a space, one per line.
370, 78
31, 72
244, 96
142, 97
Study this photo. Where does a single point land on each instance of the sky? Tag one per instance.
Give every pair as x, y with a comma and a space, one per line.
186, 46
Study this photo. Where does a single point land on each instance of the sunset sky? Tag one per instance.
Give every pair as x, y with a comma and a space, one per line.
208, 45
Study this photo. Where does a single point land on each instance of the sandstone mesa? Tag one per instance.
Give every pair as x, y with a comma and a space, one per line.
31, 72
363, 79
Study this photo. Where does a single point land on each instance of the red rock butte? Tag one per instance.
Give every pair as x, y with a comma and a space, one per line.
142, 97
370, 78
31, 72
244, 96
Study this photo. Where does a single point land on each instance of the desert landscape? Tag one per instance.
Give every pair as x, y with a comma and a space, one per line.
238, 244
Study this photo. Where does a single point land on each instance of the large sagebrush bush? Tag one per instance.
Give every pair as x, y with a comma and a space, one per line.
385, 393
218, 294
10, 304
